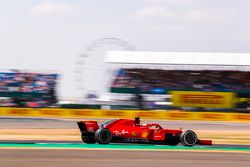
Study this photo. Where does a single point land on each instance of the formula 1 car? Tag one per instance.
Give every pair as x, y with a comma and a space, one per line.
131, 131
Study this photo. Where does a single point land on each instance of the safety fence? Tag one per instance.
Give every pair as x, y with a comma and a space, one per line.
89, 113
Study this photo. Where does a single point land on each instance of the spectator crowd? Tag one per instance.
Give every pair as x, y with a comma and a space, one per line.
157, 80
23, 82
26, 82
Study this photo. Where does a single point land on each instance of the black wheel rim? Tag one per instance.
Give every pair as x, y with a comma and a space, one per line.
190, 138
105, 137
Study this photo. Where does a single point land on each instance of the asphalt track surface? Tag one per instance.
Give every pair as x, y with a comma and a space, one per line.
72, 153
47, 123
104, 158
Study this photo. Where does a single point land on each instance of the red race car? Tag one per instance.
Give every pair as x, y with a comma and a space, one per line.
131, 131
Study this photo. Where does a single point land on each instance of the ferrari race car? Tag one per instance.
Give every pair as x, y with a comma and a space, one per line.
131, 131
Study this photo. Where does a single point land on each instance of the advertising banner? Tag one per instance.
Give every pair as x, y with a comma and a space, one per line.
145, 114
203, 99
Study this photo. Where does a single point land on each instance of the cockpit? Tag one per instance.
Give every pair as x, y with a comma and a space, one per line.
149, 126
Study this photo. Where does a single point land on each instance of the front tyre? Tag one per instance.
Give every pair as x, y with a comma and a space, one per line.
188, 138
103, 136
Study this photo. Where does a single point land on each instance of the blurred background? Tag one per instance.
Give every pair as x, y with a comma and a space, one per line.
53, 52
138, 80
138, 84
51, 34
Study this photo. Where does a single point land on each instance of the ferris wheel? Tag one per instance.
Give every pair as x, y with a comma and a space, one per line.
91, 69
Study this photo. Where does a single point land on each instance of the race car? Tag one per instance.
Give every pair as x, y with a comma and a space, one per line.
131, 131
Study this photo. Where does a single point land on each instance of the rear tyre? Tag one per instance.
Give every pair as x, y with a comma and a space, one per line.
188, 138
87, 137
103, 136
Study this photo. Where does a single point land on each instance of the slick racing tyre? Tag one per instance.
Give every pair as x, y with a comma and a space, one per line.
103, 136
188, 138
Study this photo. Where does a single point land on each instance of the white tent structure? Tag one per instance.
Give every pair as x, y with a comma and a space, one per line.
180, 60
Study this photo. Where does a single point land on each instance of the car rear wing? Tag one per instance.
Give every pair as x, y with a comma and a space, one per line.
82, 126
87, 126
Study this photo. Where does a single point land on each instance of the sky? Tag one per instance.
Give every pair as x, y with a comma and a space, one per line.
51, 34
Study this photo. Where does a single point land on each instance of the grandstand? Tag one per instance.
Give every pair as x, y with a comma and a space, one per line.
158, 81
175, 75
19, 88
